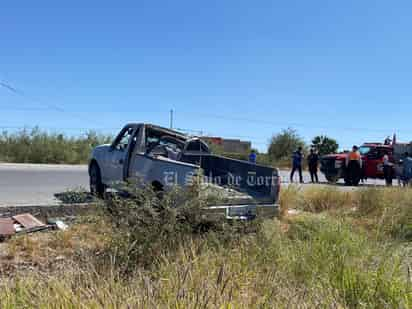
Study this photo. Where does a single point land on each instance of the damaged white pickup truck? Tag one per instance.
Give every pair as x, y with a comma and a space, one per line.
165, 158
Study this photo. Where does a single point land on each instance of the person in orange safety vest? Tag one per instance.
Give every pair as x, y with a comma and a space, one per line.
353, 167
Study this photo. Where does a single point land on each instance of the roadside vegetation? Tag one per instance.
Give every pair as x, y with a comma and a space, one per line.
334, 250
37, 146
284, 143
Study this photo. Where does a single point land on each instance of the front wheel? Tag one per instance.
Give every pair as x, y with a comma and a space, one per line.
96, 185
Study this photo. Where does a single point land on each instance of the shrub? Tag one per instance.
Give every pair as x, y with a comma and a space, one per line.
149, 225
283, 144
75, 196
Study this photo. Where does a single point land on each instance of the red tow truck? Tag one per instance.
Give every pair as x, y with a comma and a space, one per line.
333, 166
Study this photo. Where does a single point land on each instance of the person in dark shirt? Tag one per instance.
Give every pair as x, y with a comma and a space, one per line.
297, 158
313, 162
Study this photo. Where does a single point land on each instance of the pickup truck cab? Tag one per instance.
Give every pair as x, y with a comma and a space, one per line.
165, 158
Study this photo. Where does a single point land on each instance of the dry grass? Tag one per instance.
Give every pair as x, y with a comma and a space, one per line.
315, 199
319, 261
385, 211
47, 250
316, 263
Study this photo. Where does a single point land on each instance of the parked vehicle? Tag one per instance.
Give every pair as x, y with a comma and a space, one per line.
165, 158
334, 166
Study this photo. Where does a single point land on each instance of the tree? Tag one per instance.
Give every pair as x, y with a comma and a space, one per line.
283, 144
325, 145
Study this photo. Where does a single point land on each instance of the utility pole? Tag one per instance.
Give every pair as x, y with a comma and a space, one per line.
171, 119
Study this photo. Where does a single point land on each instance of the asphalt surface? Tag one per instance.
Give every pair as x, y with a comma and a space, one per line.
36, 184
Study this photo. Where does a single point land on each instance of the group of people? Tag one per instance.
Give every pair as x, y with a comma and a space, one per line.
355, 171
401, 170
354, 166
313, 163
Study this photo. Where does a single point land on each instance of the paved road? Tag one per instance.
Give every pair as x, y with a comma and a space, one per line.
36, 184
323, 182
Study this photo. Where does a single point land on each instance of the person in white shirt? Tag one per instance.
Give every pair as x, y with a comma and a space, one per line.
387, 170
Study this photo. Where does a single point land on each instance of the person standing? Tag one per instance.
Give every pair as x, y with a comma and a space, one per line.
387, 170
407, 170
252, 157
297, 158
353, 166
313, 162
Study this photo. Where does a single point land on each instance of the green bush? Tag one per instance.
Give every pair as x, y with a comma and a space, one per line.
36, 146
149, 225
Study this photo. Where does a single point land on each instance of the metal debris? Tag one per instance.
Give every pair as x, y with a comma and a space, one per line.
24, 224
6, 227
28, 221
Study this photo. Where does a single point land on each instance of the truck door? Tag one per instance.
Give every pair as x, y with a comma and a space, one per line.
371, 163
118, 154
374, 163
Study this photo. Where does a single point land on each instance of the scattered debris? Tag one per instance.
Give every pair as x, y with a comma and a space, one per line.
293, 212
6, 227
59, 224
26, 223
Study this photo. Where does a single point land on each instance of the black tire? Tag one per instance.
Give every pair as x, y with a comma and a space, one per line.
332, 178
96, 186
158, 189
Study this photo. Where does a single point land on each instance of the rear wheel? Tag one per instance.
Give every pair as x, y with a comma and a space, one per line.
96, 186
332, 178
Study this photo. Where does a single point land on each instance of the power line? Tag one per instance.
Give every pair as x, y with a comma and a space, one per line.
55, 107
57, 128
291, 124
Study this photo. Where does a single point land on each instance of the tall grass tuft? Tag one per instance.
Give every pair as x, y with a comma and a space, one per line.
390, 210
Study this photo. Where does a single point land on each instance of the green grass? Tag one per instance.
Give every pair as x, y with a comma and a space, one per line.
329, 256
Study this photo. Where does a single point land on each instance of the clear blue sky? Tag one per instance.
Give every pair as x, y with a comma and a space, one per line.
229, 68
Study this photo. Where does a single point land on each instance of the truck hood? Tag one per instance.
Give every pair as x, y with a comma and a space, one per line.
100, 150
104, 146
337, 156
